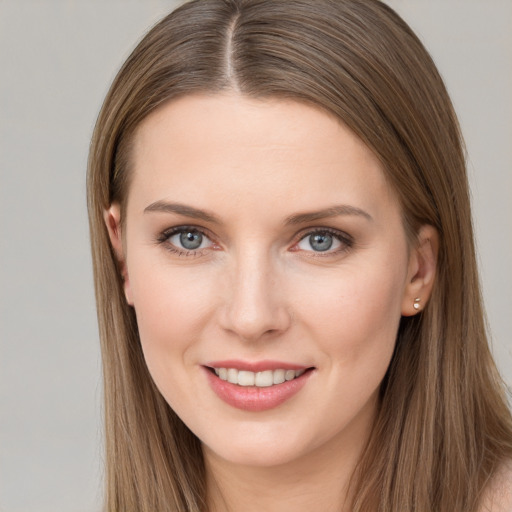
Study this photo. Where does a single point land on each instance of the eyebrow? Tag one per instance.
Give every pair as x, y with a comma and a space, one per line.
195, 213
181, 209
332, 211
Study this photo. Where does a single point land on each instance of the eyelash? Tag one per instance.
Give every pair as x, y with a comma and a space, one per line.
345, 240
164, 237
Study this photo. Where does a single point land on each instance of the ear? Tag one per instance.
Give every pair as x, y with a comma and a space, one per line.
112, 218
421, 271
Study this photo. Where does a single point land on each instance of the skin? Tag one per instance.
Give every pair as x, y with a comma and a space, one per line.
257, 290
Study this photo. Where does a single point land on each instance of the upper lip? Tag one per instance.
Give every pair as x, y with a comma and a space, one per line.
256, 366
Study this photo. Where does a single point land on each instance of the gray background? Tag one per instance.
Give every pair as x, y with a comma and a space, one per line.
57, 59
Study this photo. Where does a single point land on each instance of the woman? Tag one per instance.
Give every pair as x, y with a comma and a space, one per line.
286, 282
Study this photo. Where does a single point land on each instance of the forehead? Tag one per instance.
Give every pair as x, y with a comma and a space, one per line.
274, 152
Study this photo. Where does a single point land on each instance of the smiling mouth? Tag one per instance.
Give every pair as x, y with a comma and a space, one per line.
263, 379
256, 386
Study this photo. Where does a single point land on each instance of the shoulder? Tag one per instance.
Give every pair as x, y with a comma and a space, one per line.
498, 495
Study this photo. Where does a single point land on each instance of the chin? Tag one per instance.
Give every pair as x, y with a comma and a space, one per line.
263, 445
253, 455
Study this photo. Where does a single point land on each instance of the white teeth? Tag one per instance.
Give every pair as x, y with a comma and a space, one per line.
278, 376
289, 375
233, 375
262, 379
245, 378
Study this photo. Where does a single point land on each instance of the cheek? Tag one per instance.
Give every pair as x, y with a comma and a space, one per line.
348, 321
172, 307
353, 322
355, 315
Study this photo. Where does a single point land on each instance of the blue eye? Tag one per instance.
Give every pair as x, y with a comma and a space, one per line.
187, 239
322, 241
191, 240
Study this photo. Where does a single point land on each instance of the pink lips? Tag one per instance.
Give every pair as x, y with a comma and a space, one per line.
258, 366
252, 398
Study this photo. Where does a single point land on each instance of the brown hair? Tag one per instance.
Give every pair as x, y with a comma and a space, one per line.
443, 427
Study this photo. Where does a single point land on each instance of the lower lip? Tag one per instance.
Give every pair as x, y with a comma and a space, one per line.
256, 399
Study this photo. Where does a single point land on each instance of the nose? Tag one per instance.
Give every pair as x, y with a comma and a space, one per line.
255, 307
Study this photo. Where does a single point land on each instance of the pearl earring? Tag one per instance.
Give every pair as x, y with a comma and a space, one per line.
416, 304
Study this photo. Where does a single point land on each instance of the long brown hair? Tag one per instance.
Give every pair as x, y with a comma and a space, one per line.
443, 427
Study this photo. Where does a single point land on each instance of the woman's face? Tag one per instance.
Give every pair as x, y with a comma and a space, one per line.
262, 243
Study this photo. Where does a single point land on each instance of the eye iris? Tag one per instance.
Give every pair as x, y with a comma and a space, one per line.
321, 241
191, 240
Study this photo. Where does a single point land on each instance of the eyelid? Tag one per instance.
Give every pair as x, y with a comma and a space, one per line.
183, 227
346, 240
166, 234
